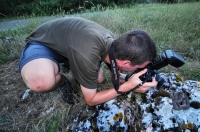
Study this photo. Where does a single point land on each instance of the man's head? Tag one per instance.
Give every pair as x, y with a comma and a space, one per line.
135, 46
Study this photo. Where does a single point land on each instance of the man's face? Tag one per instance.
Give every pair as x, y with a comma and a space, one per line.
129, 68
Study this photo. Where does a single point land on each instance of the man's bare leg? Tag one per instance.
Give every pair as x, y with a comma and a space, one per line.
41, 75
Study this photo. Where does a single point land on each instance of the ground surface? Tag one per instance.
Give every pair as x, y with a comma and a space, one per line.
37, 111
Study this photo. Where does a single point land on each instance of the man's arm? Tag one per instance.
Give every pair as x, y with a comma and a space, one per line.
92, 97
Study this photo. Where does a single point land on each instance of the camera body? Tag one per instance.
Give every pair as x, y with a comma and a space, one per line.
162, 60
167, 57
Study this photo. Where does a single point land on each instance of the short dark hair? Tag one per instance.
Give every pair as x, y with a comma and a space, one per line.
136, 46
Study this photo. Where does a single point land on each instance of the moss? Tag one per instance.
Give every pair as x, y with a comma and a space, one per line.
198, 85
190, 125
138, 128
120, 115
125, 119
183, 126
132, 99
115, 118
160, 93
109, 123
179, 77
163, 93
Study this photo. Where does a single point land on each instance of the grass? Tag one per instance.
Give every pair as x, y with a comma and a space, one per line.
173, 26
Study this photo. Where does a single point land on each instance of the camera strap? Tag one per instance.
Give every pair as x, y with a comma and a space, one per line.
115, 73
114, 70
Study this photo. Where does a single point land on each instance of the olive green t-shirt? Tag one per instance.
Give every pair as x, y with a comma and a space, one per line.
84, 43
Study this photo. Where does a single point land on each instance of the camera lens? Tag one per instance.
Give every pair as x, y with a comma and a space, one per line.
160, 80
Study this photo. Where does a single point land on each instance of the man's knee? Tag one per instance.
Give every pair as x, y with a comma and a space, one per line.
40, 75
39, 80
40, 84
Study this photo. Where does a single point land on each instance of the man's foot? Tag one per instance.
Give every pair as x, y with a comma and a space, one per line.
66, 90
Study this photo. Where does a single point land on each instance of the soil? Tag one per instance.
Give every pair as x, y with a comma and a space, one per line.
37, 111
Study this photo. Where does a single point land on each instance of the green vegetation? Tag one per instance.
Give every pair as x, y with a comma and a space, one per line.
52, 7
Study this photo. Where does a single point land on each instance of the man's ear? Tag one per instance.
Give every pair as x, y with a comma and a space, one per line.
125, 63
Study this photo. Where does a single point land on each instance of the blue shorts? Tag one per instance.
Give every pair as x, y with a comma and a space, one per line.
36, 50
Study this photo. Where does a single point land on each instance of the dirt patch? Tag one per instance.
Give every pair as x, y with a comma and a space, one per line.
38, 111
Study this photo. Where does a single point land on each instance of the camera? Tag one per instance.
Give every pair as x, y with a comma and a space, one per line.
162, 60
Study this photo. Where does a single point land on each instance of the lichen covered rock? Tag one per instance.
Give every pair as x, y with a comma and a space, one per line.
175, 106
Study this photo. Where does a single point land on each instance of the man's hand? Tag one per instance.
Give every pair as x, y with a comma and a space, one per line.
134, 80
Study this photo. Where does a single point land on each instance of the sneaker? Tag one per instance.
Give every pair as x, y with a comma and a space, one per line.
66, 90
